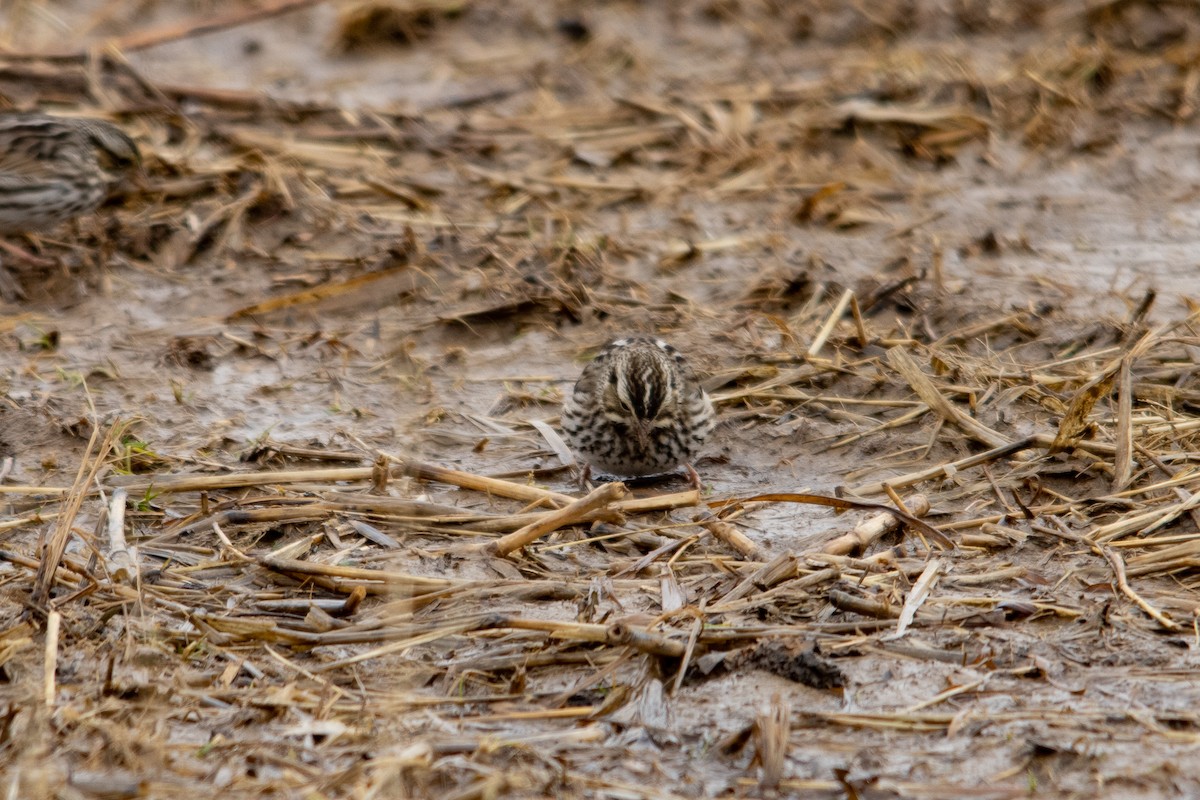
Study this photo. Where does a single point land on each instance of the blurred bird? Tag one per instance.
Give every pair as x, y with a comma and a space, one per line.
54, 169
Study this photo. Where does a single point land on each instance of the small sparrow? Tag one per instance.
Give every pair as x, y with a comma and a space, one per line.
53, 169
638, 410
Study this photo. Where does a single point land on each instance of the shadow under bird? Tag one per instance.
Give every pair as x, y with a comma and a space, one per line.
55, 169
637, 410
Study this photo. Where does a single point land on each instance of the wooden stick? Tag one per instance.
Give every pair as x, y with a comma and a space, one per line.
859, 325
730, 535
896, 499
867, 531
598, 498
860, 605
51, 662
637, 505
662, 502
645, 641
122, 559
465, 480
827, 328
574, 631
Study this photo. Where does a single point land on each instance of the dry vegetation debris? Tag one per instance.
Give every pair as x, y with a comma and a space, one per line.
338, 614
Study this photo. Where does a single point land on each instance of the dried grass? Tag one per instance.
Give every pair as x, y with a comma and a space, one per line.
481, 636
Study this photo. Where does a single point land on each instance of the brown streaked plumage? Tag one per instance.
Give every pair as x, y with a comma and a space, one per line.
53, 169
637, 409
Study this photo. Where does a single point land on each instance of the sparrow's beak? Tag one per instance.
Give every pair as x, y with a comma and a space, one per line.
641, 430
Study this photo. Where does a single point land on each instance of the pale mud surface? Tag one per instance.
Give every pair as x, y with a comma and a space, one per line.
548, 210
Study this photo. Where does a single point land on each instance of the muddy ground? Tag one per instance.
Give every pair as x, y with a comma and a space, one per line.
402, 229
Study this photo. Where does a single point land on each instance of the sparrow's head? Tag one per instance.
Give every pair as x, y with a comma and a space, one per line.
641, 385
115, 150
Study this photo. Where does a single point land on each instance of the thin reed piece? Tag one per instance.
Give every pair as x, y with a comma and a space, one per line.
598, 498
